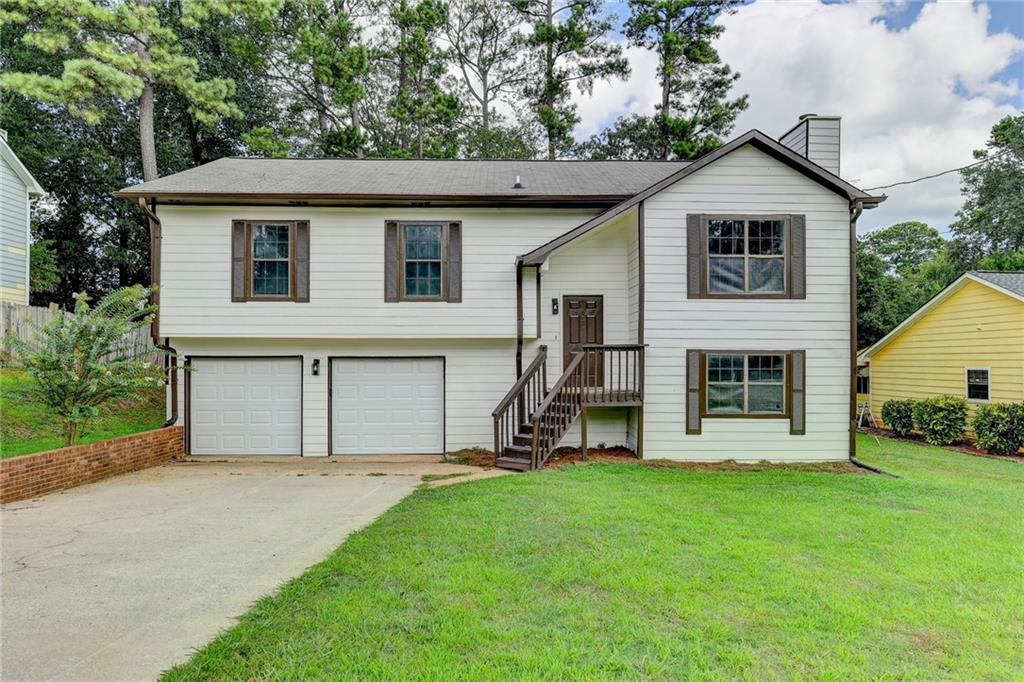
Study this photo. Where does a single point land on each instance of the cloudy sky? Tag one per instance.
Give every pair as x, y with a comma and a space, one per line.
919, 86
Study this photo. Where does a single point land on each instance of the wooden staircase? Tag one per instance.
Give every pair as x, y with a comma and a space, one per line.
531, 420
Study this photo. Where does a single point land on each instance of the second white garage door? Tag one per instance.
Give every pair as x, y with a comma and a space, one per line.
387, 406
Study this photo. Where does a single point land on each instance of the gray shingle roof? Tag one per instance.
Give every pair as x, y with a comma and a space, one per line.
1011, 281
369, 178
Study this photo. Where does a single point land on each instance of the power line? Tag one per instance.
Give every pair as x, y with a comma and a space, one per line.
936, 175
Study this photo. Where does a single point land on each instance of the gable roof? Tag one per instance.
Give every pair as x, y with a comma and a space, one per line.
754, 138
34, 188
397, 179
1009, 283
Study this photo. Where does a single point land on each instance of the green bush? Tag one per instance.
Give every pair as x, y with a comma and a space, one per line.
999, 427
941, 418
898, 416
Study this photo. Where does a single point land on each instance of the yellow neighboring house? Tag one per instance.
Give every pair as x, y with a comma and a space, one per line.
968, 341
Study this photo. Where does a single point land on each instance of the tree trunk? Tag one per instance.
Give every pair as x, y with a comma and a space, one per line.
70, 428
485, 117
549, 77
147, 139
666, 143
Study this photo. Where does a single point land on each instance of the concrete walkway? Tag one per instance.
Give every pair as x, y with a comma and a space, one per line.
121, 579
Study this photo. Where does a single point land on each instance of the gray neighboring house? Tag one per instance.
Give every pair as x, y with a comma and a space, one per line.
17, 189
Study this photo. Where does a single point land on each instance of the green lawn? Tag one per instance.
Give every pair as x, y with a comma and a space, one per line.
625, 572
26, 426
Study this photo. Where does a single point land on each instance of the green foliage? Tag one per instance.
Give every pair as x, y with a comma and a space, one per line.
1003, 261
898, 416
992, 217
100, 65
942, 419
695, 112
79, 362
906, 246
568, 45
264, 141
999, 427
43, 272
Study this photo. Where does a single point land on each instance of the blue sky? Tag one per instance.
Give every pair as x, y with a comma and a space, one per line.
918, 84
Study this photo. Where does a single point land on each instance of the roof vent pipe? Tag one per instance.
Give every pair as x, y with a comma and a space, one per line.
518, 184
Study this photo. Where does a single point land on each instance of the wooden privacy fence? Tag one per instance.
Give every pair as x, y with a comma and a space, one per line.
21, 321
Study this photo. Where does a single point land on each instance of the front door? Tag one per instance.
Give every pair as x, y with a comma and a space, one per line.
583, 323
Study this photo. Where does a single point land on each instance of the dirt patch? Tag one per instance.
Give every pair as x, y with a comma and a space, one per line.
843, 467
567, 456
477, 457
965, 447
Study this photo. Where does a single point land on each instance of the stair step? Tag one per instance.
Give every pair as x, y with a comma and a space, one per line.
517, 463
522, 439
517, 451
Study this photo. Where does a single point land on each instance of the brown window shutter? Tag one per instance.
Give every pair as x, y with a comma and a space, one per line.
693, 392
302, 261
797, 393
798, 256
239, 251
453, 263
392, 262
694, 256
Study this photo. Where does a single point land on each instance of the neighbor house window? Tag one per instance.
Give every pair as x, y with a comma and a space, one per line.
745, 384
271, 259
746, 256
978, 384
423, 245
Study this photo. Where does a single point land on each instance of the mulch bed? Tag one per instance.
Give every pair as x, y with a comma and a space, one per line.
965, 447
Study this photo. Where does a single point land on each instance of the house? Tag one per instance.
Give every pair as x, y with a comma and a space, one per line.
17, 189
686, 310
968, 340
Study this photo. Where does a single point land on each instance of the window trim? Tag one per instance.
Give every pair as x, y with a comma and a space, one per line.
292, 295
988, 385
787, 268
787, 385
402, 295
402, 260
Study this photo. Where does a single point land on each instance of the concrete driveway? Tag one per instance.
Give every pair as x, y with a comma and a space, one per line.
121, 579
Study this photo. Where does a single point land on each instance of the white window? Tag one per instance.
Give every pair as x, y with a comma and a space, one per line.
976, 382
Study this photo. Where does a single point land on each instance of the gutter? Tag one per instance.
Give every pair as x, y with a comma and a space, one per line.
170, 354
856, 209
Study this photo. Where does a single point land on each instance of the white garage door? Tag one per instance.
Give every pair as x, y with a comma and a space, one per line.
387, 406
245, 406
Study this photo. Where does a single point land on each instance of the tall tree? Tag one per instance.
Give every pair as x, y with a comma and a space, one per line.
120, 52
412, 110
320, 64
694, 113
569, 45
486, 43
992, 217
904, 247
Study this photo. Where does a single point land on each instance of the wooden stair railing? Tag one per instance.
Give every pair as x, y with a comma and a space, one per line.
514, 411
530, 421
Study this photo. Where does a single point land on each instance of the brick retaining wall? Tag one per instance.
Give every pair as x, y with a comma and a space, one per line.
46, 472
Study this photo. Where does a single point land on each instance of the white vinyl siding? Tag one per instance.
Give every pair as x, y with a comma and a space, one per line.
823, 143
747, 181
347, 274
14, 241
796, 139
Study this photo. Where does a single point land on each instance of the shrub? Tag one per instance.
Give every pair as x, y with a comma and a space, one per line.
79, 362
941, 418
999, 427
898, 416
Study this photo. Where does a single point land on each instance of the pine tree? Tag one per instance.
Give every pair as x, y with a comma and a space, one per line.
569, 46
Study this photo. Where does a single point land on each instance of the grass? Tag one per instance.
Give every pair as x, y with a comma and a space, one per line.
624, 572
27, 426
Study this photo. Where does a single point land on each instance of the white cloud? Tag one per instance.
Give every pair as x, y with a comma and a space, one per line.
914, 101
